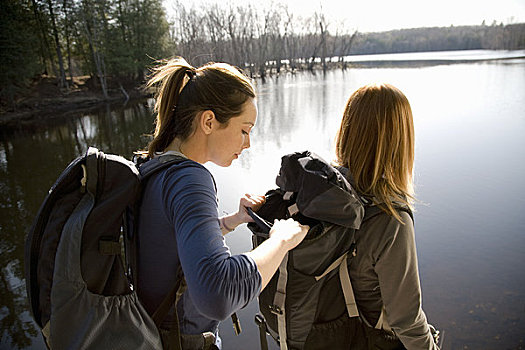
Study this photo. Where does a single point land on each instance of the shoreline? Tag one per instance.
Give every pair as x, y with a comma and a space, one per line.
37, 110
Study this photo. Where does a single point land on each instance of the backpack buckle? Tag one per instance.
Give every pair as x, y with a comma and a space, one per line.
274, 309
83, 181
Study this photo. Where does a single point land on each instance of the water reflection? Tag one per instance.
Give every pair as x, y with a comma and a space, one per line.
29, 164
469, 173
469, 223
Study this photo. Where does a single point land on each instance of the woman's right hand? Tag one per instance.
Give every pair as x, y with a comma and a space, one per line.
289, 231
284, 235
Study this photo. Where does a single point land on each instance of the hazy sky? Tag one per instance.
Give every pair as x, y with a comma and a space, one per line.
380, 15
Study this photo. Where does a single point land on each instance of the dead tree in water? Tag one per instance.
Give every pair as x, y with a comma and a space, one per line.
290, 40
262, 29
346, 46
247, 20
276, 36
213, 21
323, 34
342, 43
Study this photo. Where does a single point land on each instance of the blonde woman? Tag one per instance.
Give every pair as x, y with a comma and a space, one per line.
203, 114
375, 147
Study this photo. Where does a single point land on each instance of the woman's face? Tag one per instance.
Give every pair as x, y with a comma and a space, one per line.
226, 143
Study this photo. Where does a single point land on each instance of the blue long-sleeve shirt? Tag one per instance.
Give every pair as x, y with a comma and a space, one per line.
179, 225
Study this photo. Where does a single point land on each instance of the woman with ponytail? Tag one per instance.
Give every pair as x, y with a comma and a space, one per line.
203, 114
375, 147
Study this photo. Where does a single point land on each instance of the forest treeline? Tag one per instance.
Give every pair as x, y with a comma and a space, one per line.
115, 41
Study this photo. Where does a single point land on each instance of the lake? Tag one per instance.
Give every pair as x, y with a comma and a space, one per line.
469, 175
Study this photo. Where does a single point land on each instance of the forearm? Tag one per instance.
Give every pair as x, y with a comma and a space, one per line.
268, 256
229, 222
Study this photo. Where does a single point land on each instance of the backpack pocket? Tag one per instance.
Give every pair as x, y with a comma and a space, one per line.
328, 242
341, 333
379, 339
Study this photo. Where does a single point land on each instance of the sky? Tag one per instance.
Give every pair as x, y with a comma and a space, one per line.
383, 15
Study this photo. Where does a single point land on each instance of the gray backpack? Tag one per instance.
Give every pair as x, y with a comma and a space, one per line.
80, 258
309, 302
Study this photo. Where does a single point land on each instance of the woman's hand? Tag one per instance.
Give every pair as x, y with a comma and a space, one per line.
284, 235
230, 222
249, 201
289, 231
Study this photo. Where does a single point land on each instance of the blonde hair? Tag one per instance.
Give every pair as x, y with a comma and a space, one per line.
184, 91
376, 143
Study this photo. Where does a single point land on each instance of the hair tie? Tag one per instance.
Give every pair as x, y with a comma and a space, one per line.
191, 74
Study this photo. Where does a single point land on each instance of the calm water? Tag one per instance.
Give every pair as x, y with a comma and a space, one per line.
470, 222
461, 55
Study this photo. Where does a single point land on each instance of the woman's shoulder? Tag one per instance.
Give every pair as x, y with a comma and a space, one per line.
383, 234
384, 227
188, 172
374, 214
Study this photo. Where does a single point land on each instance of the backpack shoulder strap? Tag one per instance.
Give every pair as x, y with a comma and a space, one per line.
147, 170
374, 210
153, 166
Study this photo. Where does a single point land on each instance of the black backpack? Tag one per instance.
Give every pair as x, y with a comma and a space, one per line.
309, 302
79, 258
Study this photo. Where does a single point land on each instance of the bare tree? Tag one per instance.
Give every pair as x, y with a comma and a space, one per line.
191, 34
247, 19
310, 42
290, 39
214, 19
261, 29
346, 45
322, 22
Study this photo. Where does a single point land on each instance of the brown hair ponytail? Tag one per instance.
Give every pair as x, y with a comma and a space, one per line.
183, 91
171, 77
376, 142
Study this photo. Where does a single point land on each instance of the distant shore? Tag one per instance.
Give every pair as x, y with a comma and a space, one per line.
45, 103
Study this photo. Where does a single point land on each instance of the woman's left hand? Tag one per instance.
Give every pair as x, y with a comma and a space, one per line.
249, 201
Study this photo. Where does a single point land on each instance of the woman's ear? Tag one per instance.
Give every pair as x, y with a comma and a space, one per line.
207, 121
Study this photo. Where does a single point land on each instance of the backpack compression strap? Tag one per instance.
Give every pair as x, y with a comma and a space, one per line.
278, 307
346, 284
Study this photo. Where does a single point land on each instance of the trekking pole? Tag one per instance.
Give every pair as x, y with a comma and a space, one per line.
261, 323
